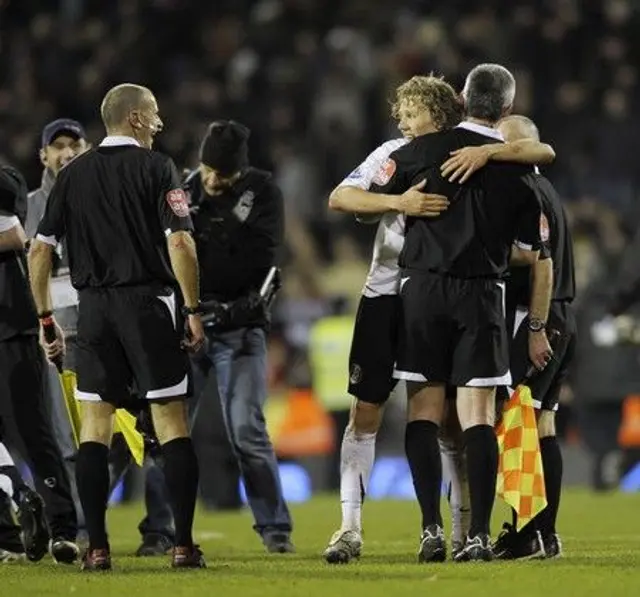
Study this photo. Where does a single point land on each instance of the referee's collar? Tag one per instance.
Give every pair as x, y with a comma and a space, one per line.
487, 131
113, 140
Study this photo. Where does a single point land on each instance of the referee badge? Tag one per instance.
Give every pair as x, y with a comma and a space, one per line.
544, 228
355, 376
177, 200
386, 171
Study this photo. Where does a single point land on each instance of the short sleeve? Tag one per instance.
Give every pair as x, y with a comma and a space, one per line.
532, 230
51, 229
173, 206
363, 176
8, 222
393, 175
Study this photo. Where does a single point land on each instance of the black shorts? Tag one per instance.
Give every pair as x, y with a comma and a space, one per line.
453, 331
373, 348
129, 341
545, 385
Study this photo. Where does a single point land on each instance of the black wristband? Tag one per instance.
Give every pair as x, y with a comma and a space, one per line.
197, 310
45, 315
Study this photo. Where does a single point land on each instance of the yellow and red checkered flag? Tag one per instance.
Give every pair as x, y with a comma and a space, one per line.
520, 473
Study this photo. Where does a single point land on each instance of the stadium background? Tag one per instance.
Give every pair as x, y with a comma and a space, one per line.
313, 80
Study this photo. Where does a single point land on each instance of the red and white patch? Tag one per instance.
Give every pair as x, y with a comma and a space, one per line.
177, 200
544, 228
387, 170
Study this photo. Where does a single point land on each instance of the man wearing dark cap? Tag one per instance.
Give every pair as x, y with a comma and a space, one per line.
63, 140
239, 224
23, 408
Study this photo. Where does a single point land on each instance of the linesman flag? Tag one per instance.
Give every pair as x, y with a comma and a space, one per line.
520, 473
124, 423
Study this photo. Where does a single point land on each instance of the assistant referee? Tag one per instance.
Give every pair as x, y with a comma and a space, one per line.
125, 220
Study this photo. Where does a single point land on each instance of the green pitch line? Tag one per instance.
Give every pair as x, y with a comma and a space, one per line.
601, 536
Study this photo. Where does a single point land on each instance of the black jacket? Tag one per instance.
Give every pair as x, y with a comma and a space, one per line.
17, 309
238, 234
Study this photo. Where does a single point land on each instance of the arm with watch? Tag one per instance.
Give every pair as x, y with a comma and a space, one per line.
540, 352
184, 262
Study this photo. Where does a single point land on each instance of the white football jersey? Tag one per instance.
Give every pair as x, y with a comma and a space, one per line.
384, 273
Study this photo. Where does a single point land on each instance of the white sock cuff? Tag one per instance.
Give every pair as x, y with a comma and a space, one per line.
6, 485
5, 457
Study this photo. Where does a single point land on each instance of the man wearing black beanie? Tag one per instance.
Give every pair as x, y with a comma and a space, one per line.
239, 223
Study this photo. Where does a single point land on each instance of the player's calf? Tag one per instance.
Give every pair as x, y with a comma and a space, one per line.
181, 474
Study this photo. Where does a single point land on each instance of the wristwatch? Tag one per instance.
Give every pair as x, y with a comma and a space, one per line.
197, 310
536, 325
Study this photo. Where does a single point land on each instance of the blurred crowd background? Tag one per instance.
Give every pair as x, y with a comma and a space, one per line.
313, 79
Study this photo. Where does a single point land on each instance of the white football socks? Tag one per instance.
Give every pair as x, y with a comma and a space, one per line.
356, 461
454, 476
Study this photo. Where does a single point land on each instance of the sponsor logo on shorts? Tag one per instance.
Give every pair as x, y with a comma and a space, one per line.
355, 375
177, 200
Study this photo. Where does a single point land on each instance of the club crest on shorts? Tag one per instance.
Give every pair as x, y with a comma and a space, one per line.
544, 228
386, 171
355, 375
177, 200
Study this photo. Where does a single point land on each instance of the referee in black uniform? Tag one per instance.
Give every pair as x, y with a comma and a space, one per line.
539, 538
23, 408
127, 228
452, 290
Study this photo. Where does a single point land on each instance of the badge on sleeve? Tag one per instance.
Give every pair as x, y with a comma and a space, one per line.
177, 200
544, 228
355, 175
386, 171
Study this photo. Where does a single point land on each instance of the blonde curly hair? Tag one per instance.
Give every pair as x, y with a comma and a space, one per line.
431, 93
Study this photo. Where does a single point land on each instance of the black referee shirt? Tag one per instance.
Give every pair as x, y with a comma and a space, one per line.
17, 309
556, 236
487, 214
115, 205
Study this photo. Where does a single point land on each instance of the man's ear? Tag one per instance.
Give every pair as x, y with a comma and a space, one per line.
43, 158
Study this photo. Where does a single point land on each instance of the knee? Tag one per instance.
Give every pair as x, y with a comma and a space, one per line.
169, 420
97, 424
546, 424
426, 403
365, 417
476, 406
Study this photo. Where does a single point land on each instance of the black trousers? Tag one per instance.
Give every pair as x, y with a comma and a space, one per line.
27, 428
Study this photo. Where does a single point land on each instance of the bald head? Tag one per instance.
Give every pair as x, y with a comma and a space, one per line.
121, 100
517, 127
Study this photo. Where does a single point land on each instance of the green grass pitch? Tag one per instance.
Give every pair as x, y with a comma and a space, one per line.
601, 537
